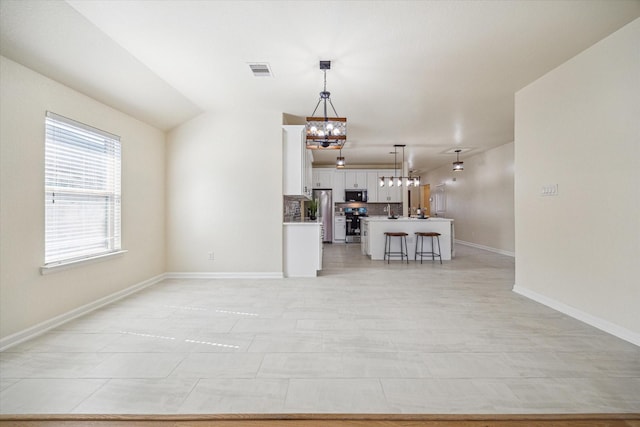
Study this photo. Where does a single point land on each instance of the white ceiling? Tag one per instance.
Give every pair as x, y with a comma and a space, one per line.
433, 75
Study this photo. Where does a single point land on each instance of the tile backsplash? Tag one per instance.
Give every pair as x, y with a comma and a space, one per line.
373, 209
291, 210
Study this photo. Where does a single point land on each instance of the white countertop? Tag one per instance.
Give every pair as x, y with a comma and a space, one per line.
303, 223
404, 219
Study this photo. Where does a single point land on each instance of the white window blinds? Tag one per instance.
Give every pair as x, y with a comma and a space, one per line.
82, 191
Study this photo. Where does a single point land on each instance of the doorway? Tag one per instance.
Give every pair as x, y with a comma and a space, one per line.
420, 198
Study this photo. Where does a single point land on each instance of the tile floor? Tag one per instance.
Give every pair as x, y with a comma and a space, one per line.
364, 337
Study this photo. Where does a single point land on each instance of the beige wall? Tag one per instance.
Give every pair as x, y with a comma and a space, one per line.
579, 127
224, 194
481, 198
26, 297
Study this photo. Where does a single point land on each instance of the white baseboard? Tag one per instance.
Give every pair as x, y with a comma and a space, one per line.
239, 275
486, 248
33, 331
596, 322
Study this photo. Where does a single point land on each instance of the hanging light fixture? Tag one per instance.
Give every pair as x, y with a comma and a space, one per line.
458, 165
398, 180
413, 180
340, 163
325, 131
395, 180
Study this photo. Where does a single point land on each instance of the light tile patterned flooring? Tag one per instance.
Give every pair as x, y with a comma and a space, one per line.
364, 337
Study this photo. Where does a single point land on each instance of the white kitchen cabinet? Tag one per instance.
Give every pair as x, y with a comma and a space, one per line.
302, 244
323, 178
355, 180
388, 194
364, 236
297, 171
338, 187
372, 186
308, 168
339, 229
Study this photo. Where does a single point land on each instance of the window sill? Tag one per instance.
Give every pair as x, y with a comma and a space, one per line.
65, 265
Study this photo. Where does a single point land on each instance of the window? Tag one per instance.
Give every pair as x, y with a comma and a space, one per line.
82, 191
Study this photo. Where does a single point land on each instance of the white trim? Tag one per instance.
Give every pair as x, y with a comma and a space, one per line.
224, 275
47, 325
603, 325
65, 265
486, 248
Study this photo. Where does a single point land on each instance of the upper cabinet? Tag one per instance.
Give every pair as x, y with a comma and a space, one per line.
323, 178
297, 172
308, 166
338, 186
340, 180
355, 180
326, 178
388, 194
372, 187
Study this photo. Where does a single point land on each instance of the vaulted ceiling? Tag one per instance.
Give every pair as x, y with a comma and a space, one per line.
434, 75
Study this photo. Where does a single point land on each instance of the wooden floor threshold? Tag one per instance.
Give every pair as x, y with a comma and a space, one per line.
324, 420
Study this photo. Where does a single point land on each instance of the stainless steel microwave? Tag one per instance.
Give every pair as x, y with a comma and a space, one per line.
355, 196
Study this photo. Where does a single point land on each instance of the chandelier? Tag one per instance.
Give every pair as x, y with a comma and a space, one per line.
325, 131
398, 180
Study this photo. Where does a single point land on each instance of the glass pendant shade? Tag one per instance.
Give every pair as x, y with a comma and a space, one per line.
458, 165
340, 163
326, 132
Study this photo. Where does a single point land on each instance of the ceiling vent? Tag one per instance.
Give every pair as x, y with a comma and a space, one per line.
260, 69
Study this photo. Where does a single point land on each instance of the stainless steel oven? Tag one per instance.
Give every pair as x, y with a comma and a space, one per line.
353, 224
353, 228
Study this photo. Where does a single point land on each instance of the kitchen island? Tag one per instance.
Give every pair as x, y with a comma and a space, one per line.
373, 239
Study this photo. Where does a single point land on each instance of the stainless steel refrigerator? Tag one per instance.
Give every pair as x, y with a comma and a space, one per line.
325, 212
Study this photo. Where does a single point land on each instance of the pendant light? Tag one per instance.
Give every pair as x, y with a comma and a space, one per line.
398, 180
415, 180
458, 165
340, 163
325, 131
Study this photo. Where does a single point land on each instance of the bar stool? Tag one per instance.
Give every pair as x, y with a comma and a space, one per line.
422, 253
387, 246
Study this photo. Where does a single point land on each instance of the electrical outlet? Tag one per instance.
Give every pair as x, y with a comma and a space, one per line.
211, 256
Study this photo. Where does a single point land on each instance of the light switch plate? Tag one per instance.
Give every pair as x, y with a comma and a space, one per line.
549, 190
